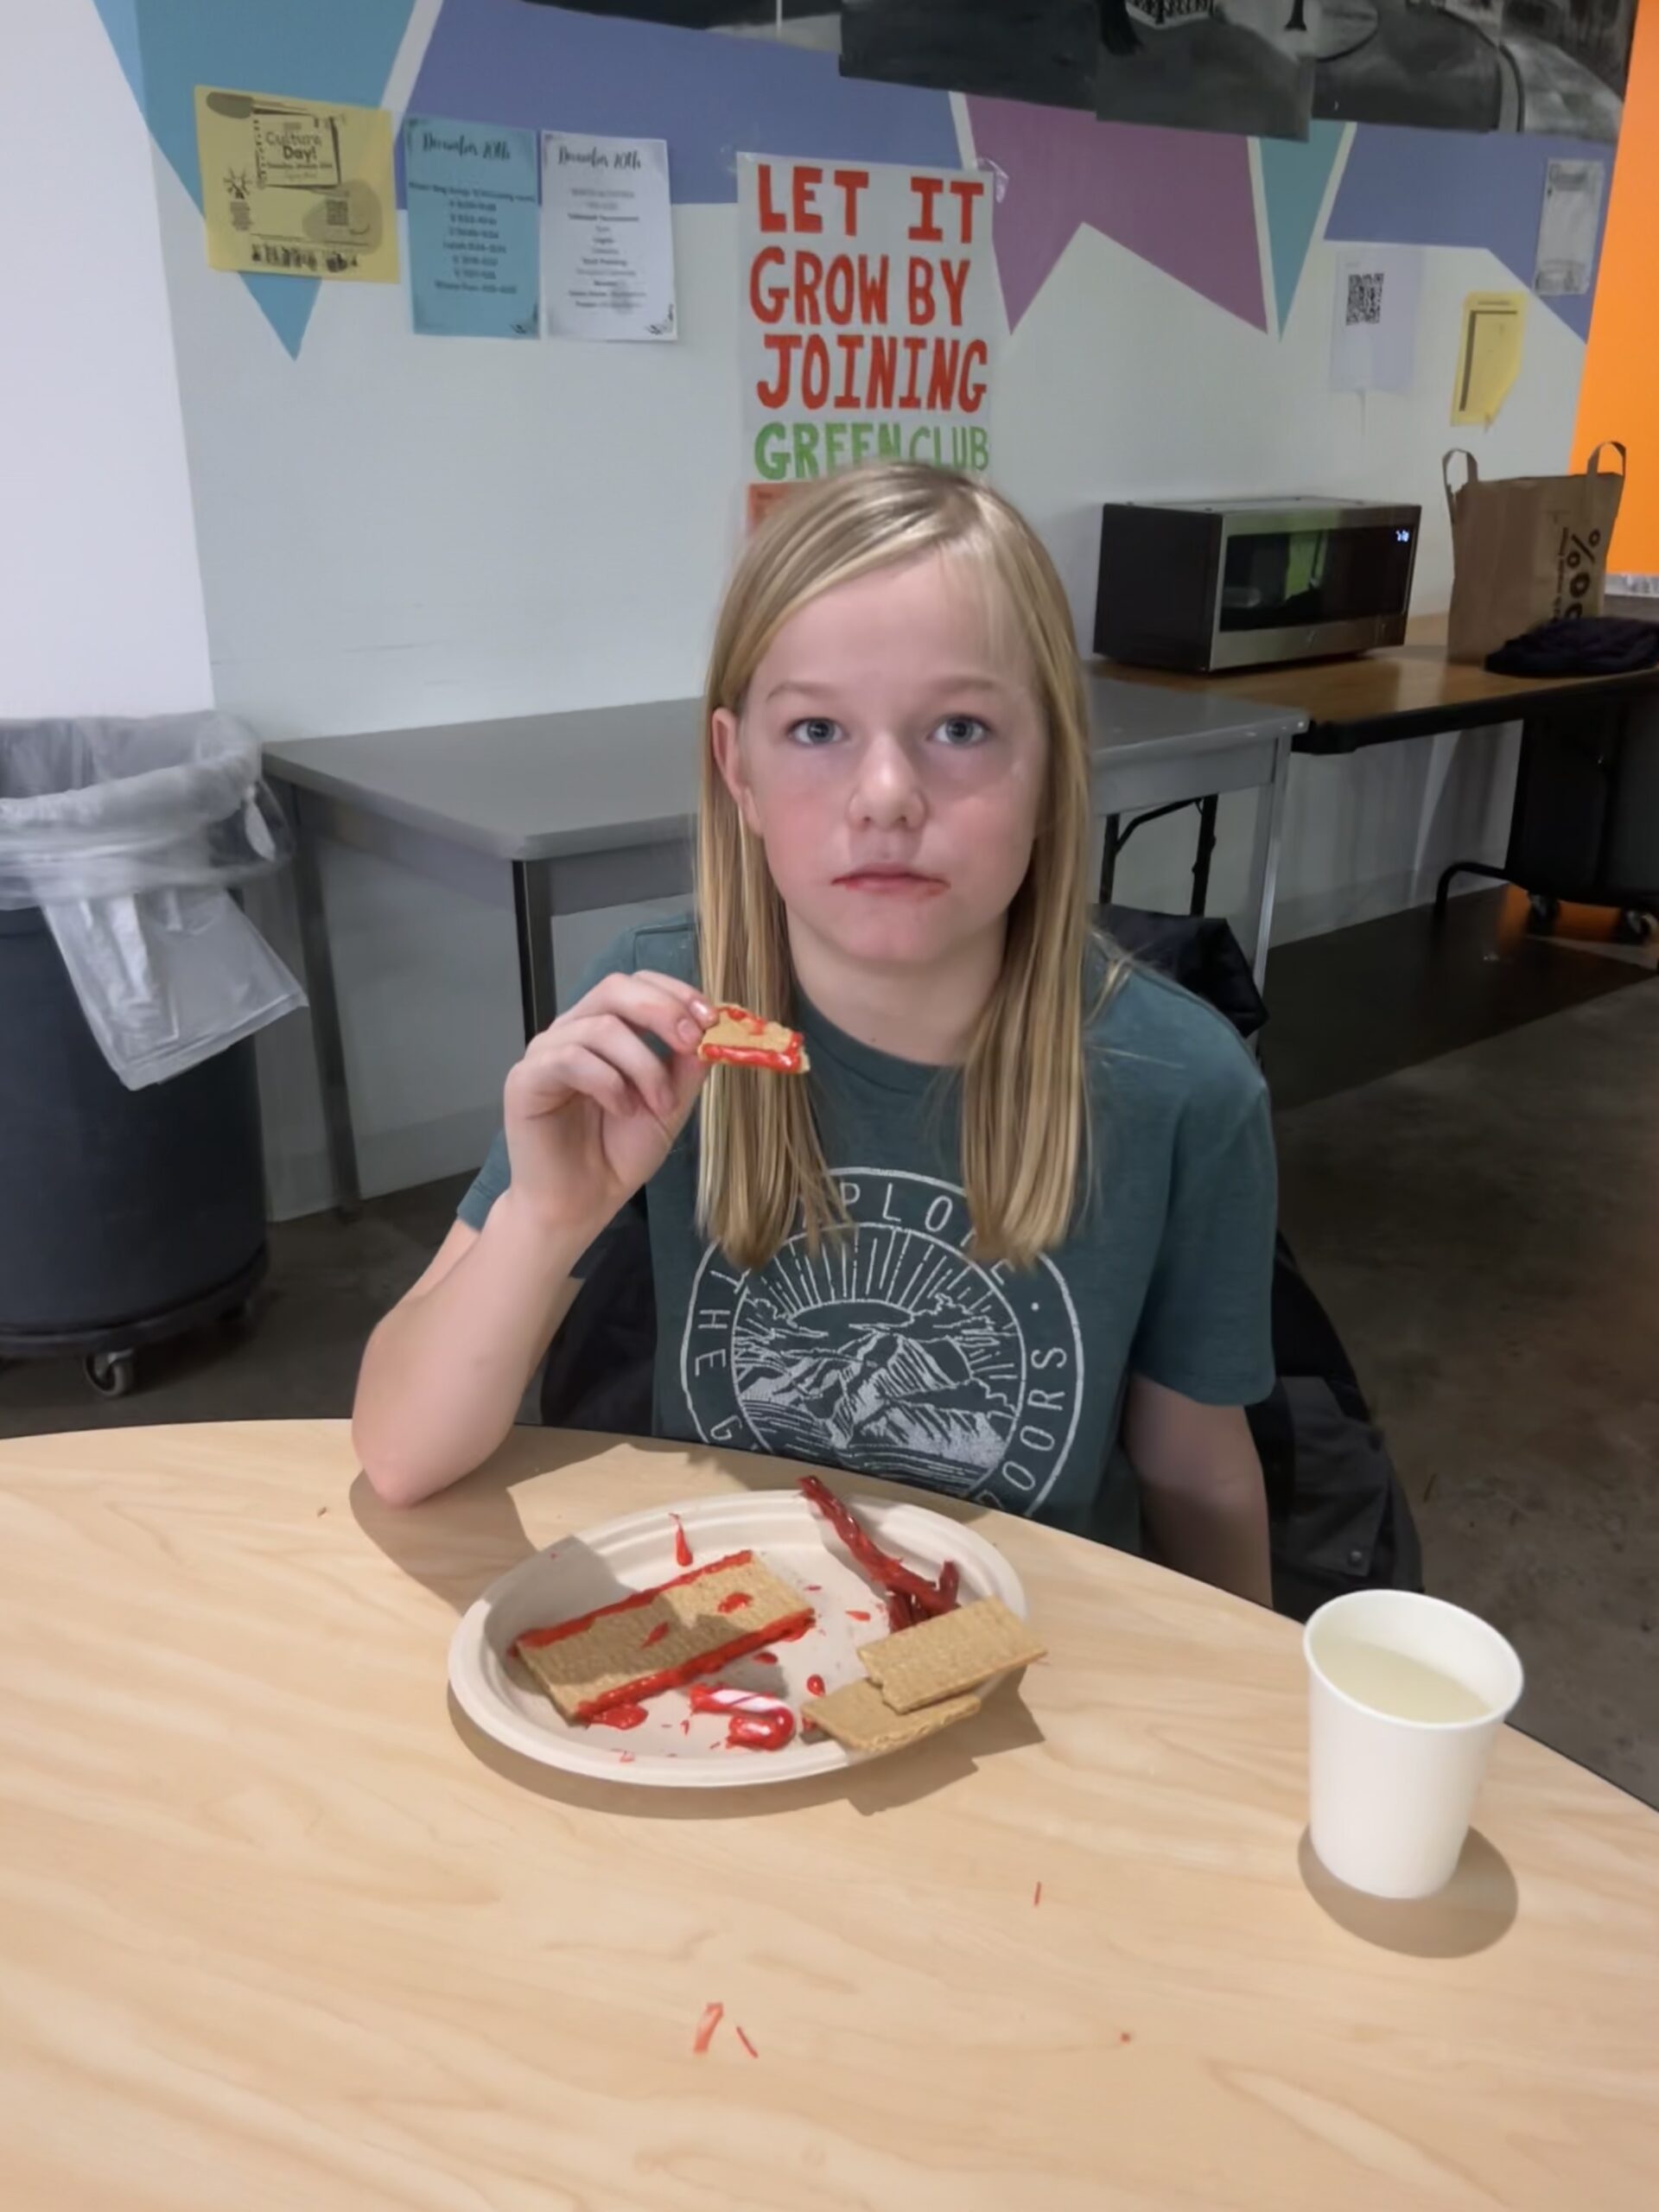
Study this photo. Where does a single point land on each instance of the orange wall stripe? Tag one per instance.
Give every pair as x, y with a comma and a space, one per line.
1619, 395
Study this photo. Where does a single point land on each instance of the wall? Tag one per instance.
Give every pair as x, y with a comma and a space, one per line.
397, 530
1620, 396
102, 609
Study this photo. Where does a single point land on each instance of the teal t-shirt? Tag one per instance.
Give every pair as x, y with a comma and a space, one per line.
894, 1352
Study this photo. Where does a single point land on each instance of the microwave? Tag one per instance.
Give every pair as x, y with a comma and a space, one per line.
1234, 583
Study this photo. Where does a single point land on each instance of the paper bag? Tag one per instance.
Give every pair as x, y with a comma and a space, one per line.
1526, 549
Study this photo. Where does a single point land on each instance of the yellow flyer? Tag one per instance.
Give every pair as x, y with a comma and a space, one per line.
296, 188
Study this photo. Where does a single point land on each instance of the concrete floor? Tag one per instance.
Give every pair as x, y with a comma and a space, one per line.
1481, 1218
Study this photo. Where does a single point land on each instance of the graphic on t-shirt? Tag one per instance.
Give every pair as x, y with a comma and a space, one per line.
892, 1349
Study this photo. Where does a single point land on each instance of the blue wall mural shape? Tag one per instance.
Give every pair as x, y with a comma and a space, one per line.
1447, 187
711, 97
316, 49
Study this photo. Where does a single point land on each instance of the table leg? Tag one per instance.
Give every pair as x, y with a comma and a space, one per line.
1201, 859
1264, 858
532, 911
318, 961
1109, 859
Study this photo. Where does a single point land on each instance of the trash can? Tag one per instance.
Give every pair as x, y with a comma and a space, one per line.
131, 1170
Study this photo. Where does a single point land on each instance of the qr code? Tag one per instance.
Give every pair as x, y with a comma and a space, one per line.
1365, 298
337, 213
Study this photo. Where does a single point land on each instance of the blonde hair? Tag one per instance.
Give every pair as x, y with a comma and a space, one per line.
1024, 1120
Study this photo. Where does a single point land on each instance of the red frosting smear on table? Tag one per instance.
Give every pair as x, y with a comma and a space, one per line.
853, 1614
735, 1603
656, 1636
766, 1658
712, 2017
815, 1686
681, 1549
889, 1575
622, 1716
744, 2040
1037, 1894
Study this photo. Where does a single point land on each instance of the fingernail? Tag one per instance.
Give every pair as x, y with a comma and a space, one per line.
704, 1011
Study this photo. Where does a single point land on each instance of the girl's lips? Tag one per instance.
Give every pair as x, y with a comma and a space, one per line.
891, 883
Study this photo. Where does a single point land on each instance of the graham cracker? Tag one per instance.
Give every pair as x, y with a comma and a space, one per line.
856, 1718
952, 1652
740, 1039
653, 1640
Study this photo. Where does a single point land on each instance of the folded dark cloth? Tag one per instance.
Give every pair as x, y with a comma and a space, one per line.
1592, 645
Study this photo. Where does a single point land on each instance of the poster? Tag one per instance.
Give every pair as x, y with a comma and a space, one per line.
868, 312
1553, 66
1568, 228
608, 237
296, 188
1043, 50
1374, 330
797, 23
1489, 354
473, 232
1240, 66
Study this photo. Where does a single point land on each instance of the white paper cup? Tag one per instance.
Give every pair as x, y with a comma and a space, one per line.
1390, 1797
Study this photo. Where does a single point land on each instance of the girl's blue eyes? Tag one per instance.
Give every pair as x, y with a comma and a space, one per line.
956, 731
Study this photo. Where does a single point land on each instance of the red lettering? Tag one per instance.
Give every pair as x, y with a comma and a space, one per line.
767, 306
873, 290
884, 370
772, 218
838, 289
968, 191
851, 345
809, 275
975, 355
942, 383
815, 373
927, 190
914, 348
954, 276
807, 179
781, 345
921, 289
852, 182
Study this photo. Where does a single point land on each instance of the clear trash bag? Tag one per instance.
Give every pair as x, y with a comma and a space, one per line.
126, 835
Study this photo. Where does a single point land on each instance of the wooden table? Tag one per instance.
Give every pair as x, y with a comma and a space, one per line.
282, 1933
1409, 690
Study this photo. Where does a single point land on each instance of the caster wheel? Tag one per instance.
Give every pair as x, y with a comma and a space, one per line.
111, 1374
1634, 926
1542, 913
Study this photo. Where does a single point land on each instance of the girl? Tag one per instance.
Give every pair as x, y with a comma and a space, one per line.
1011, 1235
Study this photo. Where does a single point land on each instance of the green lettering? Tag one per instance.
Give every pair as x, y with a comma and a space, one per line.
863, 439
835, 445
806, 449
769, 463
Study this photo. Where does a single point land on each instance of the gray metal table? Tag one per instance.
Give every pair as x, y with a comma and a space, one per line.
573, 811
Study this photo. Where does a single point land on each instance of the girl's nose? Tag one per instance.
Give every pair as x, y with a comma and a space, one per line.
888, 793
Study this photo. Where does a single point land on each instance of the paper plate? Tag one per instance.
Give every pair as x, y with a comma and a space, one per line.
675, 1748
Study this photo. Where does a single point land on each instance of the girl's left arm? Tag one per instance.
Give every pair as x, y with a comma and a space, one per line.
1202, 1494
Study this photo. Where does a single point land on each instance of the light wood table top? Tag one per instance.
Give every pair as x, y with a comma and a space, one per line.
1408, 690
280, 1933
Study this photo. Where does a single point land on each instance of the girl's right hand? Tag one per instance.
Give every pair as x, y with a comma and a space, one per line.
591, 1110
